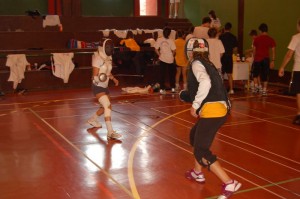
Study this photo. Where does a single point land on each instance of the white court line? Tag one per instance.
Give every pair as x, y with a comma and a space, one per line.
259, 120
253, 146
130, 172
83, 154
259, 148
168, 117
218, 133
284, 165
132, 153
131, 157
264, 120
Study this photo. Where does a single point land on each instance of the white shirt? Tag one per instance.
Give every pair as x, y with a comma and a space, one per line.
295, 46
201, 32
165, 47
216, 49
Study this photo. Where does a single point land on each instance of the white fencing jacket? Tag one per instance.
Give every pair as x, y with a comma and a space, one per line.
62, 65
17, 64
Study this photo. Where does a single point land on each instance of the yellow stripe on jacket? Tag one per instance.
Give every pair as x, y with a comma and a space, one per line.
213, 109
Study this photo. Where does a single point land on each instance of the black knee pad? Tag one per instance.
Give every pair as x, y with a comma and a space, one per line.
206, 158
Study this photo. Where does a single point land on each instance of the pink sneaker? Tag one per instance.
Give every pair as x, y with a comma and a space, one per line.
191, 175
229, 189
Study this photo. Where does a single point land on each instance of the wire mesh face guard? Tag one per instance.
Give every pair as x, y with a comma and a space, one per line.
195, 45
108, 47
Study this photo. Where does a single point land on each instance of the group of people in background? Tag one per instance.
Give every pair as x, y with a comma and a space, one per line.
211, 56
223, 45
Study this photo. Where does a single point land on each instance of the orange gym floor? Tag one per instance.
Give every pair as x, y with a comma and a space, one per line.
48, 151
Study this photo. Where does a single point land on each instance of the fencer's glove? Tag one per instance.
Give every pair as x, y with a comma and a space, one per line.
184, 96
96, 80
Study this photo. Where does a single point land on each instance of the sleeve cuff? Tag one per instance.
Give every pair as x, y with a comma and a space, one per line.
195, 106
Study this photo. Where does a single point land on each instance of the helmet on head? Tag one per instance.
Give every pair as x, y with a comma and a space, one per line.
107, 47
195, 45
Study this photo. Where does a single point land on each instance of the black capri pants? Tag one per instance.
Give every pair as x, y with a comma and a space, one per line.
202, 135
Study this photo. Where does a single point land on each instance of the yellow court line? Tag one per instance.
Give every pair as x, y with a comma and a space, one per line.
272, 185
242, 123
133, 150
131, 156
258, 186
245, 179
83, 154
263, 187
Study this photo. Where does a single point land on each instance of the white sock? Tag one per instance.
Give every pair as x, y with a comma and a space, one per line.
109, 127
197, 172
94, 117
229, 182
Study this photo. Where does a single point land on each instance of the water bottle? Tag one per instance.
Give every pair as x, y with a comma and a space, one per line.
238, 59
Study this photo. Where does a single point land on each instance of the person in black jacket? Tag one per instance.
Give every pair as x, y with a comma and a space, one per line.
211, 105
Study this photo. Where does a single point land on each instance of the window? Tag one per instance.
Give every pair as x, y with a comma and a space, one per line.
148, 8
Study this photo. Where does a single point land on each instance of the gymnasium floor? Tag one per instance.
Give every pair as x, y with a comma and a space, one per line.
48, 151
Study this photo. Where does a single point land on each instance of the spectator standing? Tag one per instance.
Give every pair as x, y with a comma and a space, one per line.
249, 53
262, 46
215, 21
180, 60
190, 32
294, 49
201, 31
173, 9
216, 49
230, 44
165, 49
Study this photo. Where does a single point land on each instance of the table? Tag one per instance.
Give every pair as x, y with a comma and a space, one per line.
240, 71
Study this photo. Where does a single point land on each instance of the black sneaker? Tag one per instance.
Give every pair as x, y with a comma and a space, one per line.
297, 120
21, 91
